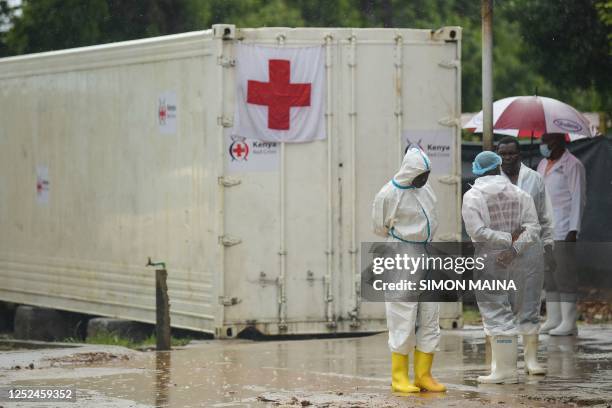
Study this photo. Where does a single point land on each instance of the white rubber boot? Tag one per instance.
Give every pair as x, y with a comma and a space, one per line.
568, 321
504, 352
530, 346
553, 316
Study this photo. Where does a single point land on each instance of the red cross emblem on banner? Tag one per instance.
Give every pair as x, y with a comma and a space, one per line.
279, 95
239, 150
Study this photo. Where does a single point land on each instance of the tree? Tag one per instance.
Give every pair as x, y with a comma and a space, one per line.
8, 14
57, 24
567, 41
560, 48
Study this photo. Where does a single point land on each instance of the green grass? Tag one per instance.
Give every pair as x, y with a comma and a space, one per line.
471, 315
112, 339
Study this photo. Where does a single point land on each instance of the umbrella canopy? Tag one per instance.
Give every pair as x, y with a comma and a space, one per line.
532, 116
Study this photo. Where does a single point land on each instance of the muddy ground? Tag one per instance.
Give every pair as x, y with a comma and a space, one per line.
350, 372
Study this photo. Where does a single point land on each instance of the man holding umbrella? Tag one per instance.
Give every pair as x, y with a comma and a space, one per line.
565, 180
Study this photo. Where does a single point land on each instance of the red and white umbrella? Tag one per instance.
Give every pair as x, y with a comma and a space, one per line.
532, 116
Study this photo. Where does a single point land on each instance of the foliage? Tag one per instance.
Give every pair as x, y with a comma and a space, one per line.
559, 48
569, 43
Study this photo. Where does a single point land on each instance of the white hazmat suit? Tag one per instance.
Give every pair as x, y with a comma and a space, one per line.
500, 218
405, 213
532, 267
492, 210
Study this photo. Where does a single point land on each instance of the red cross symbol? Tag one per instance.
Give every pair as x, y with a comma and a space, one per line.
279, 95
238, 150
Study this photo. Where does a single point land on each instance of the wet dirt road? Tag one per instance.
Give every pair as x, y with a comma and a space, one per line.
350, 372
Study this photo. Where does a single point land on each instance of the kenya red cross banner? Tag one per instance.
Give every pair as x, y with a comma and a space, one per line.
280, 93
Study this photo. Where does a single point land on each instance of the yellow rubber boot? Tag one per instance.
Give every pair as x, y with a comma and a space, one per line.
399, 374
422, 372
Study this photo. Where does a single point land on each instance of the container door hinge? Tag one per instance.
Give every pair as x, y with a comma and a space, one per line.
225, 121
450, 64
449, 180
354, 316
229, 181
226, 62
450, 122
229, 301
331, 324
227, 241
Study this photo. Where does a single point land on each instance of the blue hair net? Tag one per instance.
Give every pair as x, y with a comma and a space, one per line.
484, 162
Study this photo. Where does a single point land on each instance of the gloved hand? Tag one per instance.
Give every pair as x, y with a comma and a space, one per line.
517, 234
506, 257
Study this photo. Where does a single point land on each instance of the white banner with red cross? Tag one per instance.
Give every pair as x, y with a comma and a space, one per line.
280, 93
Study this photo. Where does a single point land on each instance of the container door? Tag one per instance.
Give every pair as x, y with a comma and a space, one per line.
278, 222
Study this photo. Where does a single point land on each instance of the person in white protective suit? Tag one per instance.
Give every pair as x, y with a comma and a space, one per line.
501, 220
404, 210
528, 311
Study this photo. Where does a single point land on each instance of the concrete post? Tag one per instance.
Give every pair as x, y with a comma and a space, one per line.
162, 324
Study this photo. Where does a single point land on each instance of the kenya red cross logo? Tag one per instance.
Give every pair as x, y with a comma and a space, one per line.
279, 95
239, 150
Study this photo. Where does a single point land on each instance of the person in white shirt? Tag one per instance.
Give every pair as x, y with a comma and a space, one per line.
565, 180
528, 309
501, 220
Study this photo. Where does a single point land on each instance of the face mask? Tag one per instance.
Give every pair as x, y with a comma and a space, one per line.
545, 150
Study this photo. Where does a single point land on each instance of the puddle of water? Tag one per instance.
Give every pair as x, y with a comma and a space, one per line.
336, 372
18, 345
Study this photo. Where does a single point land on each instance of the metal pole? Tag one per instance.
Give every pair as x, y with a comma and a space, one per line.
487, 74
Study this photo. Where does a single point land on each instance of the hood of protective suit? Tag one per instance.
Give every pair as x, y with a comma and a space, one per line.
491, 184
414, 164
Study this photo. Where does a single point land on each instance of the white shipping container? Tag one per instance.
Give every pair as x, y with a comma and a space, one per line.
115, 153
